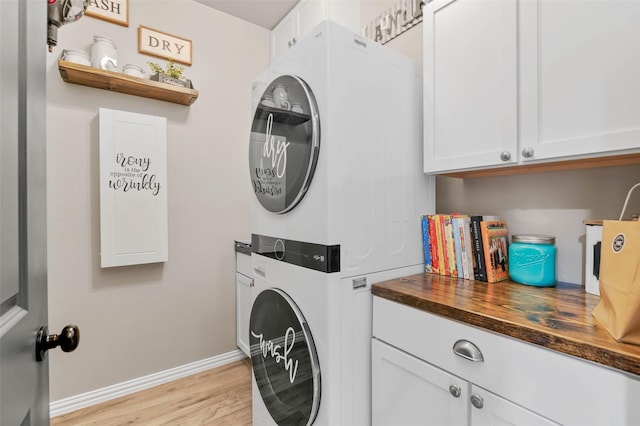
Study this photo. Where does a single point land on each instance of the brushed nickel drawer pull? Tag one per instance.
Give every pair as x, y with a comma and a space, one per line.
467, 350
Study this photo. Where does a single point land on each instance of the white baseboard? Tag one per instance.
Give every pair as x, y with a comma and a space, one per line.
97, 396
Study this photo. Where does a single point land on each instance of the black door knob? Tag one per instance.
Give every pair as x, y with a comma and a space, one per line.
68, 340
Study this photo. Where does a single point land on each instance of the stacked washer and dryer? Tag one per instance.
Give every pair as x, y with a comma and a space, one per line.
336, 166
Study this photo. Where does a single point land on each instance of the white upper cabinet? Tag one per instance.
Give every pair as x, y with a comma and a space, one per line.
512, 82
284, 34
306, 15
470, 83
580, 78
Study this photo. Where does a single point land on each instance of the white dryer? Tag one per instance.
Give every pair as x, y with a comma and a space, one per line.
336, 151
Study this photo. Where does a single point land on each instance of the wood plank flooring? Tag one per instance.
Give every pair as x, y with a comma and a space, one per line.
220, 396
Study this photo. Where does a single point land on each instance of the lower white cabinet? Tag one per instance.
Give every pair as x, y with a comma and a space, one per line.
244, 300
490, 409
421, 361
409, 391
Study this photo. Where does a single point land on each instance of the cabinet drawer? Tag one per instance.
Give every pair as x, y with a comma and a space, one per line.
243, 264
560, 387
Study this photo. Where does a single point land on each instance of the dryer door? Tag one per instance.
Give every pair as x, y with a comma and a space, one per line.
284, 358
284, 144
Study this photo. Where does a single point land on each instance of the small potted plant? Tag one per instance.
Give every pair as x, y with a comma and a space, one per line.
172, 75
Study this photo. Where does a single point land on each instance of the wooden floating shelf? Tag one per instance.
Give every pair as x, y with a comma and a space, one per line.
123, 83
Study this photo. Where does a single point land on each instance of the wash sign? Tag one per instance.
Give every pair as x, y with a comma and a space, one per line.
164, 45
394, 21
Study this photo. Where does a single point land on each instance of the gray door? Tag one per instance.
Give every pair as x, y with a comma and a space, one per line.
24, 382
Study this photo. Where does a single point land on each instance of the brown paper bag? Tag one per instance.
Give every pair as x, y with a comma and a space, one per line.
619, 307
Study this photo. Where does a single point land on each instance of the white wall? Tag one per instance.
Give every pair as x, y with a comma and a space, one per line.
552, 203
138, 320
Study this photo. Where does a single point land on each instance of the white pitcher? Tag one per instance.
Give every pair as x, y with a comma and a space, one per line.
104, 54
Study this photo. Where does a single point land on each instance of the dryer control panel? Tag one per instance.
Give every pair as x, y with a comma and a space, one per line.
319, 257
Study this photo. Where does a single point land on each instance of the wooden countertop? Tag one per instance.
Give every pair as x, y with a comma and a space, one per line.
557, 318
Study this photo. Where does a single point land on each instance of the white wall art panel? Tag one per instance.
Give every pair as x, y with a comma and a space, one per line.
133, 188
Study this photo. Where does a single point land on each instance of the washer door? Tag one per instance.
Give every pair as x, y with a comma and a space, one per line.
284, 145
284, 358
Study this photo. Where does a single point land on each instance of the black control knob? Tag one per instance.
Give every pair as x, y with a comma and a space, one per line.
68, 340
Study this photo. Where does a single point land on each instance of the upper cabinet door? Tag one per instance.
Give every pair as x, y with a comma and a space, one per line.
580, 77
310, 14
470, 84
306, 15
283, 35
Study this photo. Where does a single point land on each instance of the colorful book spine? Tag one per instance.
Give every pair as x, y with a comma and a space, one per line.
450, 245
467, 251
442, 250
495, 241
459, 244
433, 243
425, 243
479, 271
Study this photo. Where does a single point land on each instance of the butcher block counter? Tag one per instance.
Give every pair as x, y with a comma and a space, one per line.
557, 318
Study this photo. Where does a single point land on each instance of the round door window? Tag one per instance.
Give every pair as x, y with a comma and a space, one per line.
284, 144
284, 358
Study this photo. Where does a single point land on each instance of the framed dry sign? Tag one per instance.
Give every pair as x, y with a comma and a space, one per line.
164, 45
116, 11
133, 188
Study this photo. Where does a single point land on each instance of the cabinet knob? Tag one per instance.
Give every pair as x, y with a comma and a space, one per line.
477, 401
505, 156
294, 40
455, 391
467, 350
527, 152
289, 43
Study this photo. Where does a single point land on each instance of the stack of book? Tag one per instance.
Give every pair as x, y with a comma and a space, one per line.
463, 246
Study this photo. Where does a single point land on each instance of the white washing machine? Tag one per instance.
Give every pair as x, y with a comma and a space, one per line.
336, 151
310, 338
335, 161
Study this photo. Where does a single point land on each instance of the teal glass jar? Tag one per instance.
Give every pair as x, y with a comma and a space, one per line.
532, 260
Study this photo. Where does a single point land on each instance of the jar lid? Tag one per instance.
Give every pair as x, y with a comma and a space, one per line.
99, 38
67, 52
533, 239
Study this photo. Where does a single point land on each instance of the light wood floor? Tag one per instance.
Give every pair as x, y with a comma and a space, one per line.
220, 396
